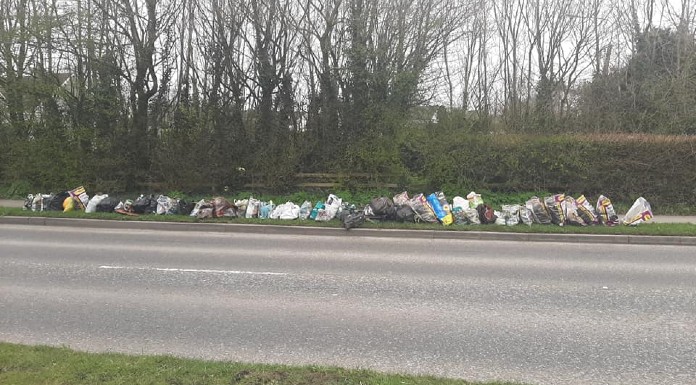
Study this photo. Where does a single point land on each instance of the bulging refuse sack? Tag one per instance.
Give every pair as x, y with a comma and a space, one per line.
401, 199
94, 202
459, 216
586, 211
28, 202
640, 212
540, 214
184, 207
68, 204
241, 206
305, 210
500, 220
252, 210
265, 209
206, 212
423, 211
107, 205
460, 202
353, 220
486, 214
330, 210
605, 211
197, 207
405, 214
526, 215
41, 202
474, 199
165, 205
55, 202
554, 204
382, 206
570, 210
145, 205
473, 216
286, 211
315, 211
221, 207
511, 214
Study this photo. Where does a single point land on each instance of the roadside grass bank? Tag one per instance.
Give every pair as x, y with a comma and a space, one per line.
33, 365
658, 229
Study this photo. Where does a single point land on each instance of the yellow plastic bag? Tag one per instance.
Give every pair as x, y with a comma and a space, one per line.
68, 204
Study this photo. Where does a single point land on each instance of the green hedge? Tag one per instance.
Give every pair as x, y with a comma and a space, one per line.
660, 168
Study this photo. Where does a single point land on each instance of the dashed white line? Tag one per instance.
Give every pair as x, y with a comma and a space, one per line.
204, 271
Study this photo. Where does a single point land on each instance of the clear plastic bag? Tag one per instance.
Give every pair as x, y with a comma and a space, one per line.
473, 216
540, 214
511, 214
401, 199
640, 212
572, 216
586, 211
526, 215
164, 205
554, 204
605, 210
305, 210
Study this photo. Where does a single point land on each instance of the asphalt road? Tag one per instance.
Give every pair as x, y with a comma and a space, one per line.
542, 313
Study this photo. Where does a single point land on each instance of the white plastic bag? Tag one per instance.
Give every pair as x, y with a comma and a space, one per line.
92, 204
461, 203
640, 212
287, 211
252, 210
292, 212
331, 207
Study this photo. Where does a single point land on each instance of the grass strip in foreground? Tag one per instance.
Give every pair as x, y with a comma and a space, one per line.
33, 365
659, 229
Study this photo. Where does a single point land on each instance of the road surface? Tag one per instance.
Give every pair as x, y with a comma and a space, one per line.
542, 313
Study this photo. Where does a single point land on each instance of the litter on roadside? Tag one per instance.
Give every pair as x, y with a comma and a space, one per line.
558, 209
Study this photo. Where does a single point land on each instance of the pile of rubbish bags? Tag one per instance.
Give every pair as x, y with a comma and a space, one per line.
559, 209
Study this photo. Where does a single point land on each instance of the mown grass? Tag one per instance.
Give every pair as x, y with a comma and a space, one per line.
33, 365
661, 229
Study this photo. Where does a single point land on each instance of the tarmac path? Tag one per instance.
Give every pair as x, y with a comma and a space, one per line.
540, 313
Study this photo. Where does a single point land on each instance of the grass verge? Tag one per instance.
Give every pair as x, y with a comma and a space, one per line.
661, 229
30, 365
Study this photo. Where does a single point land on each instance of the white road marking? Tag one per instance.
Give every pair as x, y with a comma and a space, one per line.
207, 271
